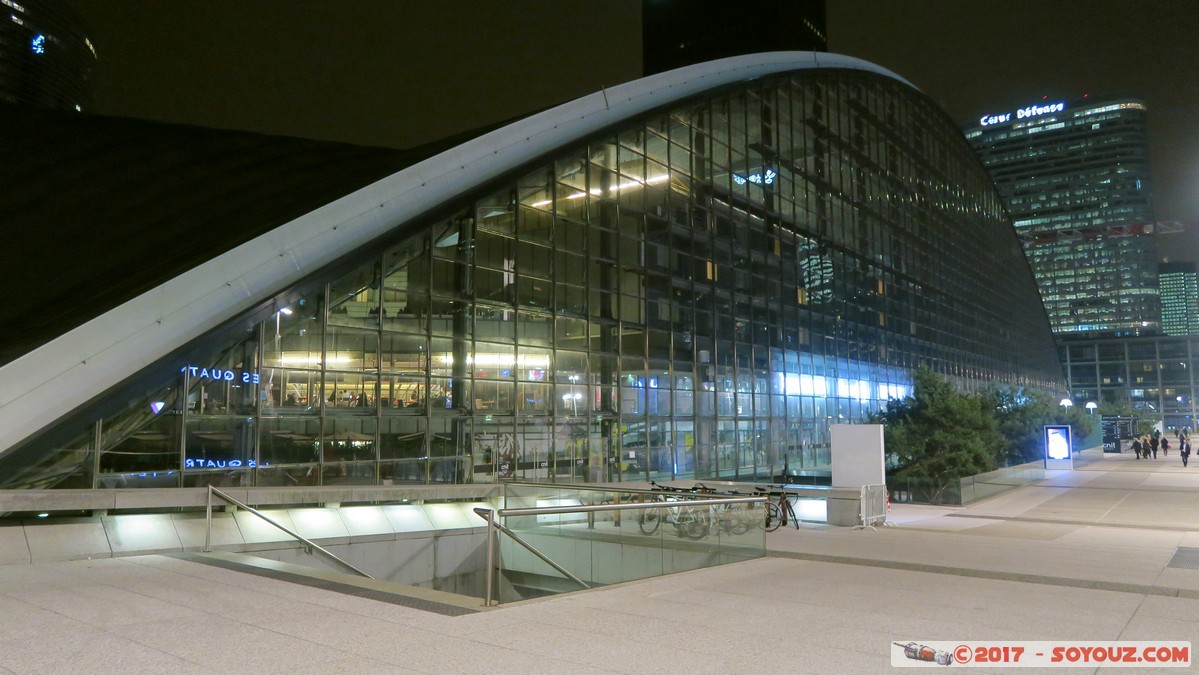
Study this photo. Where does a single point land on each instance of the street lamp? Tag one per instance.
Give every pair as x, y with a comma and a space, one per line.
1091, 405
1066, 403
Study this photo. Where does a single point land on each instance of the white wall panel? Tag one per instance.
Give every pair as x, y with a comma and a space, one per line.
14, 549
141, 533
81, 539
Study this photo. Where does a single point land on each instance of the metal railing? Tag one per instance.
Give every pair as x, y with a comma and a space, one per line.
309, 545
494, 526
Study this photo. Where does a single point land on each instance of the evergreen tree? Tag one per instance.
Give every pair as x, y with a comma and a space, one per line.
938, 435
1022, 415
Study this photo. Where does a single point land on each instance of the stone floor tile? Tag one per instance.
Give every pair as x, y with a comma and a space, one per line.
90, 653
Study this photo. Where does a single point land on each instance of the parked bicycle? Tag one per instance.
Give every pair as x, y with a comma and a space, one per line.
778, 508
733, 519
693, 523
736, 519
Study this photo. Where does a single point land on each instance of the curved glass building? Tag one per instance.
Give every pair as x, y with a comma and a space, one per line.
691, 275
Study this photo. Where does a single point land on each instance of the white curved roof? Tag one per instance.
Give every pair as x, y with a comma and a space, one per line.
74, 368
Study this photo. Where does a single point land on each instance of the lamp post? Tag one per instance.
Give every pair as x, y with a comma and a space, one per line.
1091, 405
1066, 403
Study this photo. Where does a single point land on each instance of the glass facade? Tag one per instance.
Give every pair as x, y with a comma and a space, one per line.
697, 293
1152, 376
1075, 180
1179, 286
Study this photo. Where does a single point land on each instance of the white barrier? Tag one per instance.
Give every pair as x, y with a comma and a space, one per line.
873, 509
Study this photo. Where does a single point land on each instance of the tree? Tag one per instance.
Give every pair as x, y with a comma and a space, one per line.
937, 435
1022, 414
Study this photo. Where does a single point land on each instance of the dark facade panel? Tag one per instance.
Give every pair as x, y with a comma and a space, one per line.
102, 209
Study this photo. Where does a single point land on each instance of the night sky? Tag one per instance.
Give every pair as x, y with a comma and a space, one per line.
400, 73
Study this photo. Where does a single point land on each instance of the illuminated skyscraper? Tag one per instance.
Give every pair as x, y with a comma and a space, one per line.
46, 58
1075, 179
1180, 298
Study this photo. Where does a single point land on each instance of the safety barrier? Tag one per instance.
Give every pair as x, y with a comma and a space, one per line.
873, 507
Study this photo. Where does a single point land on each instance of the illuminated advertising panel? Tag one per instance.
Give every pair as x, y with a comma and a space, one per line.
1057, 442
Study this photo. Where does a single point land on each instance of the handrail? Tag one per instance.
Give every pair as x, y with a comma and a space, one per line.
662, 503
490, 516
307, 542
620, 487
790, 488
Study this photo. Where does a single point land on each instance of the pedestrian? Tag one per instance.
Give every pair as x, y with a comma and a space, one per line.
1185, 451
1136, 447
1153, 445
1165, 447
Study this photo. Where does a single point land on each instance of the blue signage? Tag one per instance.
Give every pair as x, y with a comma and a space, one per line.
199, 373
758, 178
220, 464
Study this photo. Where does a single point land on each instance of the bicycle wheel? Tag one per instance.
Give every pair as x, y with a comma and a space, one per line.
649, 521
739, 520
694, 524
774, 517
755, 515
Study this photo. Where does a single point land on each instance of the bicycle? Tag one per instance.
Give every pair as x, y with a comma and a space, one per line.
732, 519
777, 511
735, 519
688, 522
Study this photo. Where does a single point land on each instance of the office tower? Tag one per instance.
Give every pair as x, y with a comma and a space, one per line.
1180, 298
1075, 179
677, 33
46, 58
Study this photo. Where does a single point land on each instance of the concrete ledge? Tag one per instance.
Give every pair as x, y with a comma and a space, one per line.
115, 535
164, 498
